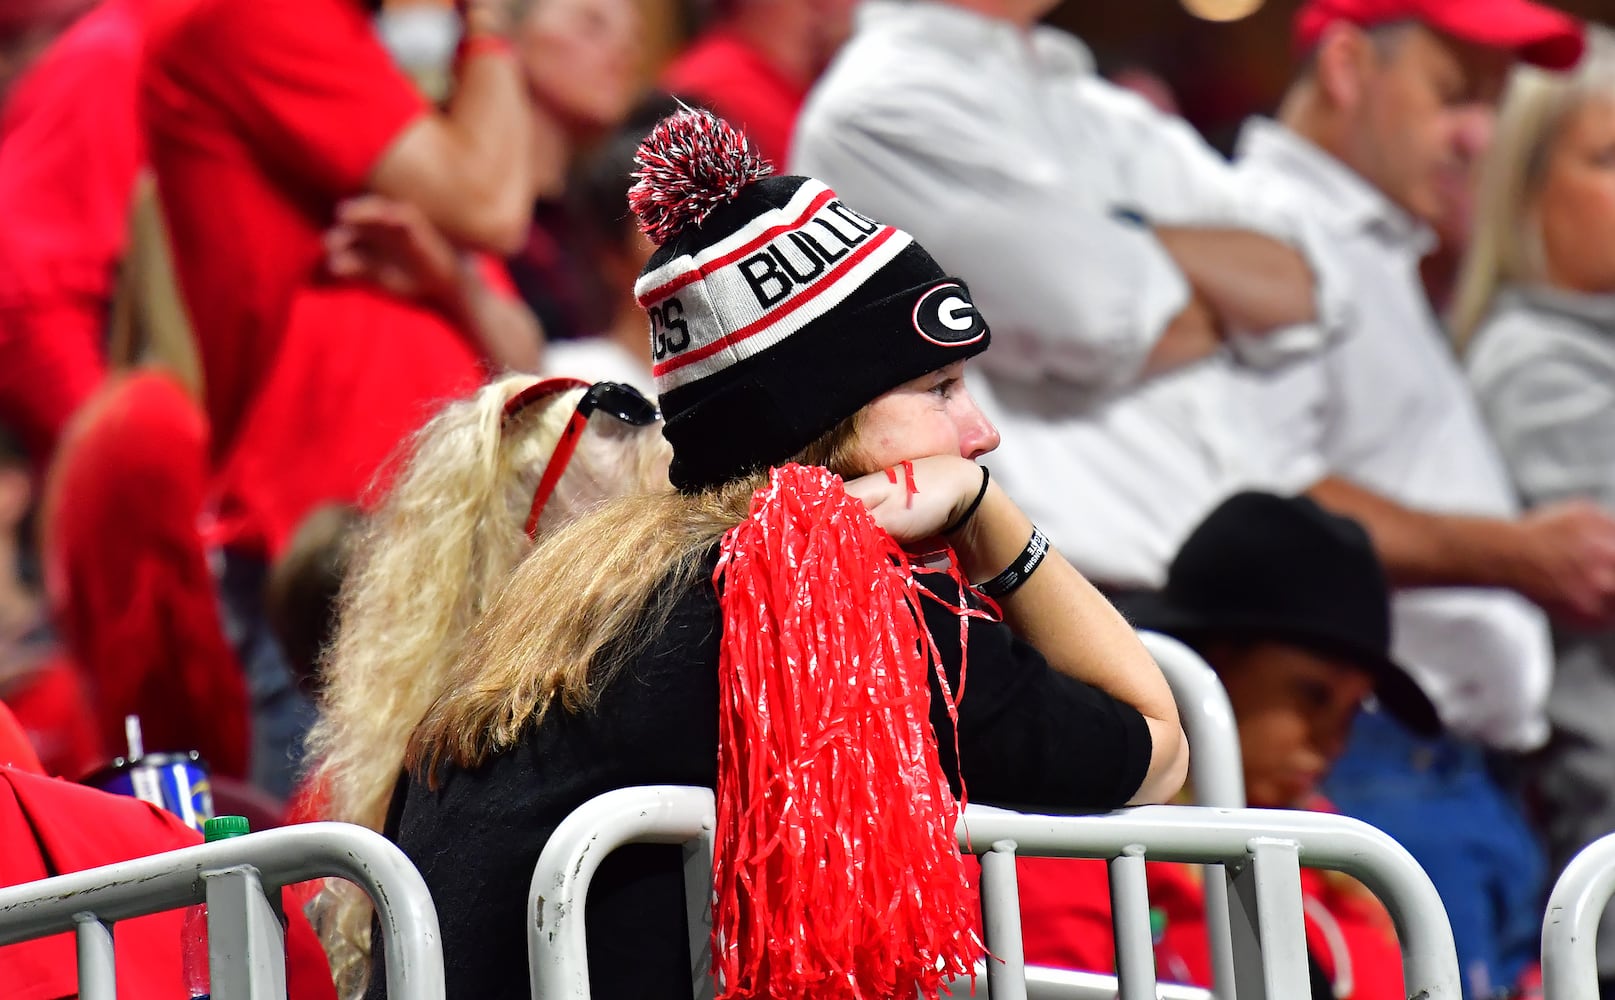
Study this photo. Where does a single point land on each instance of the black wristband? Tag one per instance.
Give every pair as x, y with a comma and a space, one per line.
970, 511
1030, 559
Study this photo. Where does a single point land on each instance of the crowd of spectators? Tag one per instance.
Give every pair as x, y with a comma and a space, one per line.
296, 297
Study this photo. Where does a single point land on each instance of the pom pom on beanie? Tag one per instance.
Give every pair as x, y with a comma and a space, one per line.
691, 163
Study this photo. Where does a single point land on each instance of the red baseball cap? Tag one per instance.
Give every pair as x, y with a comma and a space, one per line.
1539, 35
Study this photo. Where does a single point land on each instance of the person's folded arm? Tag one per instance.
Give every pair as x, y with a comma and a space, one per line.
1266, 269
1250, 281
1071, 290
467, 169
323, 104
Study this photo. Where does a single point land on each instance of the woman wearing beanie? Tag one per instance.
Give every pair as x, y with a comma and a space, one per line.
759, 631
483, 478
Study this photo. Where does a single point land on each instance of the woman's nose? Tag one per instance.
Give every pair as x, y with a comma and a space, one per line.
977, 435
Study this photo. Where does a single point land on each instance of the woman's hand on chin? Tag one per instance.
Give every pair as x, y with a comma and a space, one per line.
943, 487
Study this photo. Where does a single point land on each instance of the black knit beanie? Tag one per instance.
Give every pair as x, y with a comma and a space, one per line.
776, 311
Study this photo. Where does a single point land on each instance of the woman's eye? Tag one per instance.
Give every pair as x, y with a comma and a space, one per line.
944, 388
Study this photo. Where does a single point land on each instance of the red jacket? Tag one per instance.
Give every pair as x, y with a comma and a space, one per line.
16, 750
52, 827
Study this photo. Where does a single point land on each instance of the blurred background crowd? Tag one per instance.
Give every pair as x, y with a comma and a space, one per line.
1362, 250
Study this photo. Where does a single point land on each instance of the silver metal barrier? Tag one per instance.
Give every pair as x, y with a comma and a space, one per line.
1067, 984
1261, 850
557, 951
1216, 770
1570, 930
240, 880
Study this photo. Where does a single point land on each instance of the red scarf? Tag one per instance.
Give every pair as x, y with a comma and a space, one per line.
837, 874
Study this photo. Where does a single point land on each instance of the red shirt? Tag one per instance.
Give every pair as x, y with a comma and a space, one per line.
1065, 909
70, 149
16, 750
128, 576
358, 372
52, 827
260, 117
723, 73
53, 708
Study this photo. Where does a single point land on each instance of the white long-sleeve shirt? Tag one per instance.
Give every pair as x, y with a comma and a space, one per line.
1028, 176
1388, 408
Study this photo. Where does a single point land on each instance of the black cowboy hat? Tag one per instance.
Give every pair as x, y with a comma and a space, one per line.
1283, 568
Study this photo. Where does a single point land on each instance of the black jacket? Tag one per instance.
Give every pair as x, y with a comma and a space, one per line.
1028, 737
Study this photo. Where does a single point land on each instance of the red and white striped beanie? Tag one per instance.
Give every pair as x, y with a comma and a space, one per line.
776, 310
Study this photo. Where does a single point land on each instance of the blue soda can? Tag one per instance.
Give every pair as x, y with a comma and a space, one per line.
177, 782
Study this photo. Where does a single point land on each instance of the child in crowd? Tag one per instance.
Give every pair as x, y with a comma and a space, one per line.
1289, 605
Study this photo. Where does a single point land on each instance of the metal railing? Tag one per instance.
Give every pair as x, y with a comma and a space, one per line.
1570, 929
1260, 849
1216, 769
240, 880
1216, 772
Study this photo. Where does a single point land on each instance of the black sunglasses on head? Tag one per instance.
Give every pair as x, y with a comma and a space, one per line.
615, 399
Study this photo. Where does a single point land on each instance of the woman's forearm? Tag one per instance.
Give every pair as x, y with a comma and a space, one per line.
1077, 630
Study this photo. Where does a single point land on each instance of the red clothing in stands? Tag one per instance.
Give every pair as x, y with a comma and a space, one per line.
358, 372
51, 827
53, 707
1065, 908
310, 802
725, 74
16, 750
128, 577
70, 149
260, 117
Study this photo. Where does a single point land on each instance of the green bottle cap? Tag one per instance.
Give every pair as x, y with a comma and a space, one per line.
224, 827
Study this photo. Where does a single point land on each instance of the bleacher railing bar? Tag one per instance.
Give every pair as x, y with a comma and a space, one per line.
1216, 772
240, 880
1570, 930
1262, 850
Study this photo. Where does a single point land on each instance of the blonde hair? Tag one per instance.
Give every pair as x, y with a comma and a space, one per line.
578, 608
1506, 248
433, 554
